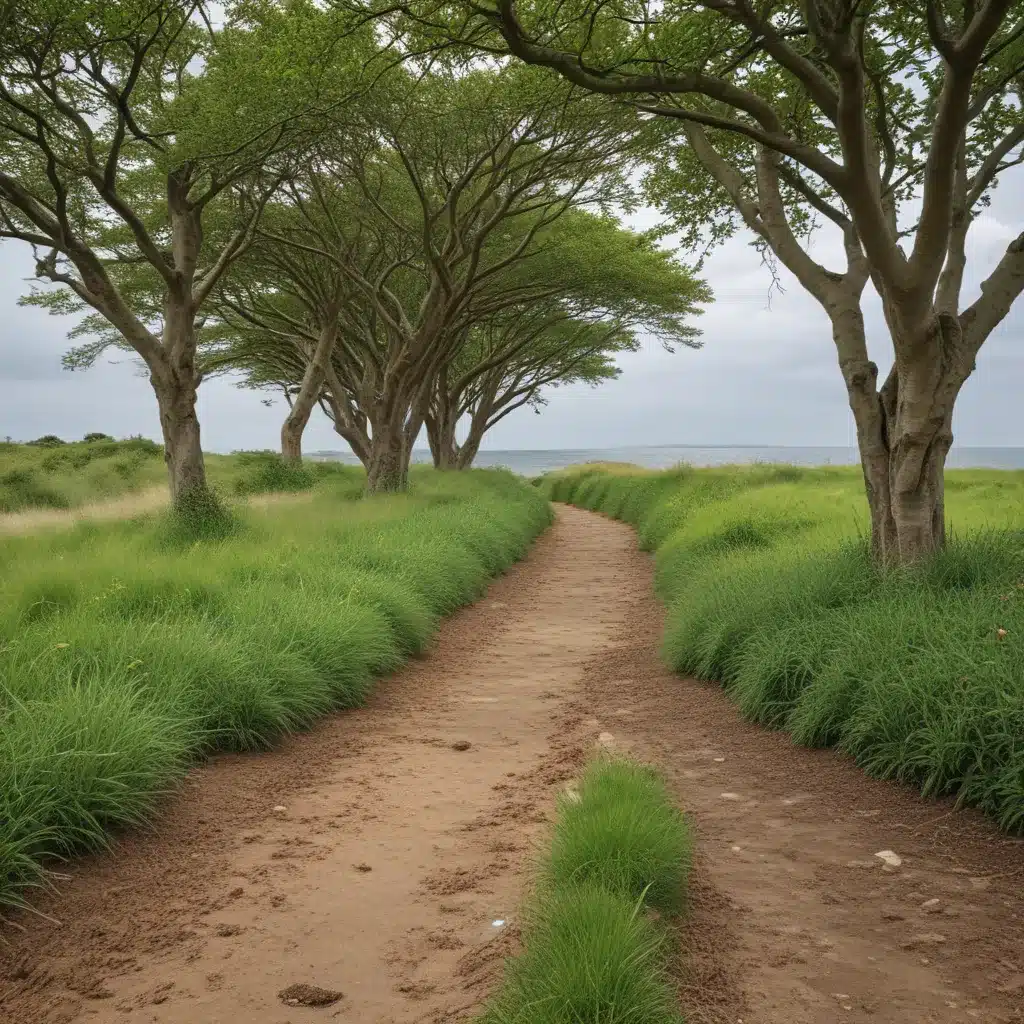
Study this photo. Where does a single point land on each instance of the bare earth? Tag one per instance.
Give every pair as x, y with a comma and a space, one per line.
370, 859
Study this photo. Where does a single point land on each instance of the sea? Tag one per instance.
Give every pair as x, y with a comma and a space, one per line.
535, 462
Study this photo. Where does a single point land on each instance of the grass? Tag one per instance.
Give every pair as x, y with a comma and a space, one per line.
130, 650
594, 937
65, 476
918, 673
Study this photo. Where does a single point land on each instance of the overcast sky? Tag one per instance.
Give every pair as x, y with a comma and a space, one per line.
767, 373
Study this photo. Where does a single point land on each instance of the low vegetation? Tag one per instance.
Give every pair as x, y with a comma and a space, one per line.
51, 474
917, 672
129, 650
594, 936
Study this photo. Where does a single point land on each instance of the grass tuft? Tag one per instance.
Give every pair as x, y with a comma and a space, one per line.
594, 948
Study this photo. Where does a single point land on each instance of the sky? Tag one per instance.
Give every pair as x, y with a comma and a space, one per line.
766, 375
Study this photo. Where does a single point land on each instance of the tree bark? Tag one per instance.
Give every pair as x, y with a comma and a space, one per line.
308, 395
441, 437
183, 451
904, 433
388, 468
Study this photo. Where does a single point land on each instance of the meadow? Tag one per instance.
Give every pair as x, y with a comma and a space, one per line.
765, 572
130, 650
56, 475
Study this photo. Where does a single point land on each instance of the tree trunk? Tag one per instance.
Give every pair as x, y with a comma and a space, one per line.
904, 433
388, 467
441, 436
468, 451
298, 416
183, 452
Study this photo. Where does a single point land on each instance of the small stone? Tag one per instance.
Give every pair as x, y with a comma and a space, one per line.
735, 849
280, 809
894, 860
606, 739
362, 867
730, 796
931, 906
227, 930
841, 996
925, 961
461, 745
892, 915
718, 760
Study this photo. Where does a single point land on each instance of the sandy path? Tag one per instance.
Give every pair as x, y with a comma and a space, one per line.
794, 920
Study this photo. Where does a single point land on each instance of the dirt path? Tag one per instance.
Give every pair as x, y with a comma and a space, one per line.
395, 854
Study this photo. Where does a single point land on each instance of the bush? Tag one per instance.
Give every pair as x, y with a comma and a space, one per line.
123, 659
47, 441
96, 436
267, 471
770, 590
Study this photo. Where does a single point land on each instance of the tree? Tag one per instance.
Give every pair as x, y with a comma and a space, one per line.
126, 129
889, 122
405, 230
612, 285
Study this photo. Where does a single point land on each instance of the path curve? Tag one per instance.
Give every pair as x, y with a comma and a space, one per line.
394, 853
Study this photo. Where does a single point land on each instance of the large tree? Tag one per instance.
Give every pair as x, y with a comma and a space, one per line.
403, 231
890, 122
138, 148
614, 286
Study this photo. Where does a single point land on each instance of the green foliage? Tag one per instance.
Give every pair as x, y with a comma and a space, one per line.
266, 471
623, 834
592, 949
124, 659
47, 441
917, 673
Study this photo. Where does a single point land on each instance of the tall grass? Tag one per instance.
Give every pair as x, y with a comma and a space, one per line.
592, 949
917, 673
125, 657
65, 476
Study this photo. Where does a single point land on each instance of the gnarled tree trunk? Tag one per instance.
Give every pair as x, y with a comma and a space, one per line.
904, 433
441, 437
183, 452
387, 469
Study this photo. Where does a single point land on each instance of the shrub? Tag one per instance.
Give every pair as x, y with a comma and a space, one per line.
268, 471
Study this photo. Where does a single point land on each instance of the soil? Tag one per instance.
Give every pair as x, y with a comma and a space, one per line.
371, 870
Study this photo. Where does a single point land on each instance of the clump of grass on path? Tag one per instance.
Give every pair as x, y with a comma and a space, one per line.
125, 657
594, 938
770, 590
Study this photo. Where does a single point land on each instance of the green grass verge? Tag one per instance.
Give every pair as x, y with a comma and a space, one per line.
594, 950
63, 476
918, 674
126, 652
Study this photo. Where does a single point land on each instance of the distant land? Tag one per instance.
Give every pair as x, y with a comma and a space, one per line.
534, 462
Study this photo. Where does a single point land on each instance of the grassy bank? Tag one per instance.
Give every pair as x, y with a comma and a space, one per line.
67, 476
918, 674
594, 938
126, 654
